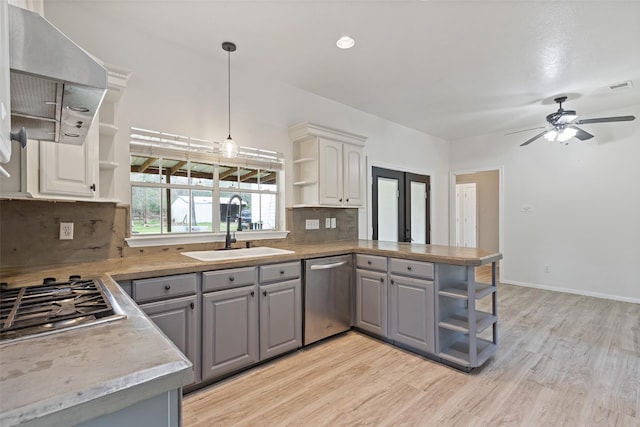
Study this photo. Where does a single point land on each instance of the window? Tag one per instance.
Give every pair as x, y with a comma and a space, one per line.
183, 185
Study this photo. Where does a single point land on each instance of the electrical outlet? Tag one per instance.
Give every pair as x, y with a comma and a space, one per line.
327, 223
333, 223
312, 224
66, 231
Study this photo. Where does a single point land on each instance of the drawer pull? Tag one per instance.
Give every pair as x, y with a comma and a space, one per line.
281, 271
393, 282
409, 267
369, 262
192, 305
231, 278
264, 293
167, 287
382, 280
252, 293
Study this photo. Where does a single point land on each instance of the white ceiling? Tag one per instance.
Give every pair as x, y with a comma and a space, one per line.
448, 68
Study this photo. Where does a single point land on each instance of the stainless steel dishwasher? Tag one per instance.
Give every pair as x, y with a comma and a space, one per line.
327, 297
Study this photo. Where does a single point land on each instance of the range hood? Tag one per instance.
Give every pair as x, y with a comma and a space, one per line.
56, 87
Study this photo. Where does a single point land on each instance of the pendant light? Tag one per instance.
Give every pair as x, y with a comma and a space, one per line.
229, 148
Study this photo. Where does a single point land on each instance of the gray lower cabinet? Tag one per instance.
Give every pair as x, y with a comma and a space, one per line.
172, 303
411, 319
229, 330
179, 319
280, 318
371, 301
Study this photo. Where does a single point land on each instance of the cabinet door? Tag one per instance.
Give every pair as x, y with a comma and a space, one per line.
179, 319
280, 318
70, 170
412, 312
330, 173
371, 302
353, 176
229, 331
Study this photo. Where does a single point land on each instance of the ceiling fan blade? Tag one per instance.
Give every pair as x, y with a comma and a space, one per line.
529, 141
581, 134
606, 120
524, 130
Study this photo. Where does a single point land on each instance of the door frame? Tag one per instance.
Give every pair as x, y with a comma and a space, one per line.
369, 183
452, 204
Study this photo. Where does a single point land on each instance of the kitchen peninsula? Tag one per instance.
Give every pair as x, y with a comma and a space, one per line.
74, 376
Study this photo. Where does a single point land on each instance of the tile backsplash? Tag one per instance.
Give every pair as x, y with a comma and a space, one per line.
30, 229
344, 219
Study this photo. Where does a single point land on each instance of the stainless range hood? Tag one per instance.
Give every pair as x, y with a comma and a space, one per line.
56, 87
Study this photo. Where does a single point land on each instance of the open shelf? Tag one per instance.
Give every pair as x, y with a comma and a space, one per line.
303, 183
304, 160
460, 322
460, 291
458, 352
108, 129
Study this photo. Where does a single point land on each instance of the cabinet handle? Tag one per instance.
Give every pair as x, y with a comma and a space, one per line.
347, 200
93, 187
231, 278
393, 282
340, 200
264, 293
382, 280
252, 293
281, 271
192, 305
369, 262
167, 287
409, 267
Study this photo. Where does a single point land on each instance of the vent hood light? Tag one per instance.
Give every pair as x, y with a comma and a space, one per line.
345, 42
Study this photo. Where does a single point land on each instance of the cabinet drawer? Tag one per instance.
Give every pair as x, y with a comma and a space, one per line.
270, 273
371, 262
408, 267
164, 287
225, 279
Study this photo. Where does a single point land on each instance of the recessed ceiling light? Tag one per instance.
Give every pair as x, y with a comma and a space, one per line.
345, 42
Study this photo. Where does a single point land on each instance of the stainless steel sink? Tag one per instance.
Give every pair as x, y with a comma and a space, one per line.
221, 255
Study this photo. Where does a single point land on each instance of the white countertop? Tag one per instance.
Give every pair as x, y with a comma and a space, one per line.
69, 377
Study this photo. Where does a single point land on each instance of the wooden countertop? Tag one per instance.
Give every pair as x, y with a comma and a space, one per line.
173, 262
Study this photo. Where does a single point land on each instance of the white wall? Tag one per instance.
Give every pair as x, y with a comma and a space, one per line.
584, 221
179, 91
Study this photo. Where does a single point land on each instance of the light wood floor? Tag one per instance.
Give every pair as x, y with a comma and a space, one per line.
563, 360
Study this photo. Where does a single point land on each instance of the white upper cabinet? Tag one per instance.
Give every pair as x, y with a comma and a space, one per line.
328, 166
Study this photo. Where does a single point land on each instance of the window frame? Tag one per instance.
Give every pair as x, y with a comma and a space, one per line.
168, 147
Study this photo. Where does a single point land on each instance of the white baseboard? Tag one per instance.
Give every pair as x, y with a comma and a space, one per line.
572, 291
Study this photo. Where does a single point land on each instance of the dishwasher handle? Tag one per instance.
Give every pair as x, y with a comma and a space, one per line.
327, 266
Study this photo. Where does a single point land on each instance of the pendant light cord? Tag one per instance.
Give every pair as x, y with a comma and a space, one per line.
229, 88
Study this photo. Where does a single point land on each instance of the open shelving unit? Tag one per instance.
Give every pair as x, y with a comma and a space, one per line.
117, 79
459, 322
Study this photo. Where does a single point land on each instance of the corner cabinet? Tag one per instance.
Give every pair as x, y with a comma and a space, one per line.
466, 335
328, 166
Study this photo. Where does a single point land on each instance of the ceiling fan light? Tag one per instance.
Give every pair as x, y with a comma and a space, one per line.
551, 135
567, 134
229, 148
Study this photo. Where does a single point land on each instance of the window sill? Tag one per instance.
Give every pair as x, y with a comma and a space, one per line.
186, 238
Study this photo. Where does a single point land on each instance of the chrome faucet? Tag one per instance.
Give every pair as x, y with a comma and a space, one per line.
228, 239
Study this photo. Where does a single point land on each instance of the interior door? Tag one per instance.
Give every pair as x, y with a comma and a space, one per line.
400, 202
466, 215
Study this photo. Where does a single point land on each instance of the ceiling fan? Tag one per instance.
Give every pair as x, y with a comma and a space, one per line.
563, 125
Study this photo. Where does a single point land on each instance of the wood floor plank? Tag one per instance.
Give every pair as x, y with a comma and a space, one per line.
563, 360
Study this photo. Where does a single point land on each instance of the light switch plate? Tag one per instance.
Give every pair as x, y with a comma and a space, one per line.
312, 224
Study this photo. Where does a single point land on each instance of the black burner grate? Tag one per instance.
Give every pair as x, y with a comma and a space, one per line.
36, 309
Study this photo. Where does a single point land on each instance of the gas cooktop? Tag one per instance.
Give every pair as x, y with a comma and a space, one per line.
55, 306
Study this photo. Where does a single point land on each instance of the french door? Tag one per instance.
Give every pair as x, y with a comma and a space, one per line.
400, 206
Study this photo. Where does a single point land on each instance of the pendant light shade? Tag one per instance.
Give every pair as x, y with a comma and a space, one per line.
229, 148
